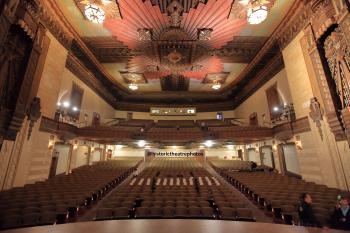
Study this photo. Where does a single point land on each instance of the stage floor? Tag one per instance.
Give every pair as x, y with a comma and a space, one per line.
169, 226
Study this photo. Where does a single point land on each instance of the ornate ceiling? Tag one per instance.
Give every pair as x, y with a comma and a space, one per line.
174, 49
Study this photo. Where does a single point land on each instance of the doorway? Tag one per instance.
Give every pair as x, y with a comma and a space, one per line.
254, 156
267, 156
53, 166
290, 158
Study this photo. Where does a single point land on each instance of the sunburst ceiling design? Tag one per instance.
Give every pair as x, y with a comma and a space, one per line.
174, 42
202, 41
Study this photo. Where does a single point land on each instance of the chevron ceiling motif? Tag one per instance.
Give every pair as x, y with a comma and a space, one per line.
180, 48
136, 15
173, 41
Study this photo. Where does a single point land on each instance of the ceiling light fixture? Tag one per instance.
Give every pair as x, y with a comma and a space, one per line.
257, 11
216, 85
209, 143
106, 2
244, 2
133, 86
141, 143
94, 13
66, 104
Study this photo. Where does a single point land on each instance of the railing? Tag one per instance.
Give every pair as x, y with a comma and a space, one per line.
231, 132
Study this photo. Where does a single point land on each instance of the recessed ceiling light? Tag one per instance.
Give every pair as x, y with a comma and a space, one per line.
209, 143
106, 2
244, 2
133, 86
216, 86
141, 143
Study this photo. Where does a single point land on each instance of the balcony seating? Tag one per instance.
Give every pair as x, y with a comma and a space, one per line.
174, 123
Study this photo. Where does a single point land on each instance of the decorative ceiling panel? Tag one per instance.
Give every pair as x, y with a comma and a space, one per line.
137, 15
201, 41
186, 4
143, 18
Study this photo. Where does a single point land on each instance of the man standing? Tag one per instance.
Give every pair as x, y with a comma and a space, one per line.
341, 217
306, 214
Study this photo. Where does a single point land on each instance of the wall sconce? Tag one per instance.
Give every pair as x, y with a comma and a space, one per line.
298, 143
75, 145
51, 142
92, 148
274, 146
257, 148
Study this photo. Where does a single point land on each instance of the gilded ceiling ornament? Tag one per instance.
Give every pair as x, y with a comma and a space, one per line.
204, 34
197, 68
145, 34
175, 10
152, 68
174, 57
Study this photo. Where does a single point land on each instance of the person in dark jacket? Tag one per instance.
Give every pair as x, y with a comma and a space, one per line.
340, 218
306, 214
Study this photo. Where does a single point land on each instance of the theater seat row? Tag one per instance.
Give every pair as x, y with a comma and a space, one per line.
280, 194
145, 196
64, 197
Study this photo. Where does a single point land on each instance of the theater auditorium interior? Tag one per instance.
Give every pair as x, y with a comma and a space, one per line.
169, 116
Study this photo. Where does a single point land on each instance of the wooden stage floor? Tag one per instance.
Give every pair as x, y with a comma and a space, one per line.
169, 226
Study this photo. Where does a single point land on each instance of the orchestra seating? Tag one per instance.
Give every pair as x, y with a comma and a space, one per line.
281, 194
236, 165
174, 188
63, 197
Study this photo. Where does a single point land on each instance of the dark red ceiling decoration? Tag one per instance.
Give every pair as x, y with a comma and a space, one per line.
137, 14
177, 41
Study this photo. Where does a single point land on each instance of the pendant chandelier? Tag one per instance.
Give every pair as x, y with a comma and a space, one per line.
94, 13
94, 10
257, 14
257, 10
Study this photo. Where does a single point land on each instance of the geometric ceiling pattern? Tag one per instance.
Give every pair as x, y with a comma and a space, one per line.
174, 43
157, 44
